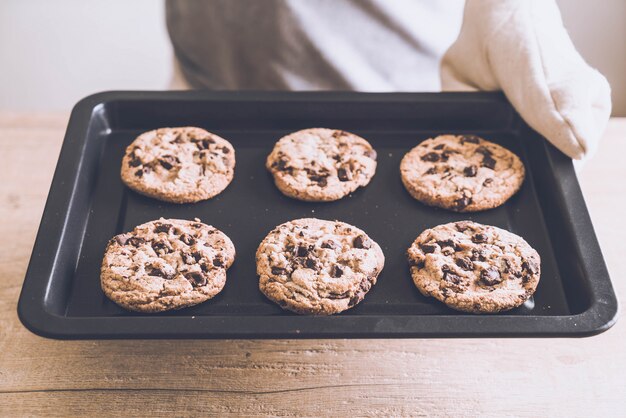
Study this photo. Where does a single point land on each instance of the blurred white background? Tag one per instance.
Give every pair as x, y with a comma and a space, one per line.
52, 53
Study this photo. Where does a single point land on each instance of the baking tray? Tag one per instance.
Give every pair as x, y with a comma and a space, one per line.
88, 204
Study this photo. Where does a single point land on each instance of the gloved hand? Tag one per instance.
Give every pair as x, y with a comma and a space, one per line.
522, 48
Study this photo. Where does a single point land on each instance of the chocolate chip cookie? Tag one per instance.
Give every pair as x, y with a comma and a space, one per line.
321, 164
463, 173
166, 264
180, 165
474, 268
312, 266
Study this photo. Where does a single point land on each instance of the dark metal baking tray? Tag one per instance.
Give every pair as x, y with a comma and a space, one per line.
88, 204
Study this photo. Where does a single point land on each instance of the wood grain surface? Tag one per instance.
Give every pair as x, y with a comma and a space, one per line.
453, 377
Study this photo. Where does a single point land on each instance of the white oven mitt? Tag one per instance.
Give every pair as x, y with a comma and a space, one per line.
522, 48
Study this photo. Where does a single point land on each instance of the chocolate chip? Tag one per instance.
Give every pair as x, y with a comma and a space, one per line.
162, 228
203, 144
343, 174
361, 242
288, 247
487, 154
282, 165
279, 271
478, 255
151, 271
320, 179
431, 157
444, 156
487, 182
134, 161
489, 162
196, 255
371, 154
135, 241
454, 281
329, 244
121, 239
484, 151
302, 251
187, 258
416, 263
462, 226
364, 287
465, 263
162, 247
530, 266
490, 276
479, 238
311, 264
196, 278
159, 273
431, 170
472, 139
218, 262
452, 278
335, 271
446, 243
440, 146
338, 295
428, 248
187, 239
462, 202
225, 150
470, 171
168, 161
145, 170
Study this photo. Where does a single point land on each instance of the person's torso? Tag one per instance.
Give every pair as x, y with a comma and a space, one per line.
362, 45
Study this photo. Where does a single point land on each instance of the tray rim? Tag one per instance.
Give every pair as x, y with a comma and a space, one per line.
600, 315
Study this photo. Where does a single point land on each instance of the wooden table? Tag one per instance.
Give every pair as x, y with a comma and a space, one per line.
461, 377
